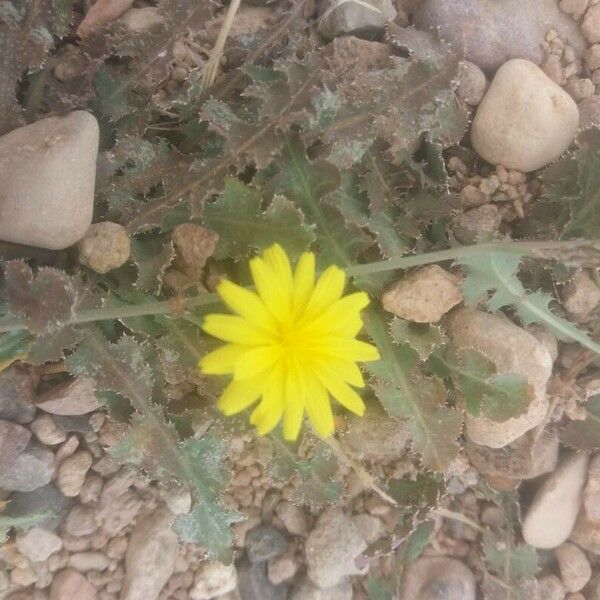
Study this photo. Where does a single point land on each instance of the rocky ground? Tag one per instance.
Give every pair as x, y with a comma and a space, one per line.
109, 535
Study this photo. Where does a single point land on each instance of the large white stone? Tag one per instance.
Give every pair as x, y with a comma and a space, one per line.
553, 510
513, 351
48, 171
525, 120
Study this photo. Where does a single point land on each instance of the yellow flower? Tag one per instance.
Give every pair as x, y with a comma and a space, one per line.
291, 344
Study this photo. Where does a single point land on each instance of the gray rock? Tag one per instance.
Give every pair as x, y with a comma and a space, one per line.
253, 583
339, 18
47, 171
307, 590
13, 440
264, 542
46, 498
150, 558
74, 397
30, 470
17, 391
490, 33
432, 578
589, 112
472, 83
332, 547
513, 351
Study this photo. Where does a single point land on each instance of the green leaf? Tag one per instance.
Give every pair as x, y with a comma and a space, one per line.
584, 435
24, 522
378, 589
423, 338
407, 394
575, 180
151, 256
244, 227
496, 272
416, 542
14, 345
127, 369
47, 299
320, 481
423, 492
511, 561
487, 394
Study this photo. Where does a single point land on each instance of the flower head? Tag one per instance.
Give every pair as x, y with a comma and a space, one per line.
290, 345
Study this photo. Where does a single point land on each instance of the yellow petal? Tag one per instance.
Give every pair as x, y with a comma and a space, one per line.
318, 407
347, 349
304, 281
246, 304
275, 295
268, 413
222, 360
255, 361
341, 316
237, 330
346, 370
240, 395
279, 262
328, 289
294, 406
341, 391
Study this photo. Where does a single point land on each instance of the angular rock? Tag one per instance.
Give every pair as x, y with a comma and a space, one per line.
512, 350
48, 172
527, 457
581, 295
307, 590
264, 542
425, 296
17, 391
331, 549
490, 33
38, 544
551, 515
376, 437
74, 397
213, 579
472, 83
13, 440
104, 247
72, 472
481, 221
150, 558
339, 18
431, 578
69, 584
525, 120
30, 470
575, 569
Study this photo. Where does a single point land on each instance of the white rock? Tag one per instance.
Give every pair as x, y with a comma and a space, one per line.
150, 558
581, 295
309, 591
48, 172
525, 120
142, 19
331, 548
340, 18
512, 350
47, 431
72, 472
213, 579
425, 296
88, 561
553, 510
38, 544
179, 501
104, 247
575, 569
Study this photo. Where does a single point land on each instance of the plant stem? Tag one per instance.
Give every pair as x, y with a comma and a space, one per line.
580, 252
